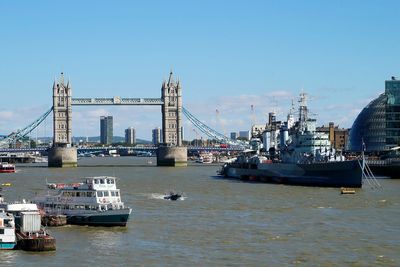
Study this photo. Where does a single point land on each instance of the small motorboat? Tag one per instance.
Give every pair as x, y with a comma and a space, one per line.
346, 190
173, 196
6, 167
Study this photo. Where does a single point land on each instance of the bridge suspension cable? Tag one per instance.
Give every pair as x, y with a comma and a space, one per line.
25, 131
211, 132
196, 122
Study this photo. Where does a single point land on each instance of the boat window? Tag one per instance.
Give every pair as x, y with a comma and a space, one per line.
96, 181
106, 193
116, 193
1, 231
99, 193
113, 193
112, 181
78, 194
108, 181
102, 181
90, 194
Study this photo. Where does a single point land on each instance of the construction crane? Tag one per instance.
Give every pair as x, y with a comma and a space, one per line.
197, 137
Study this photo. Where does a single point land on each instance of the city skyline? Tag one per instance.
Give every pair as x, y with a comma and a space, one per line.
228, 55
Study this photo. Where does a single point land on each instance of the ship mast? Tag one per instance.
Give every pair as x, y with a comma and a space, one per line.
303, 112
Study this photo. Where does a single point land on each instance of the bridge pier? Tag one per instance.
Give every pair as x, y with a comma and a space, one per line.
174, 156
63, 157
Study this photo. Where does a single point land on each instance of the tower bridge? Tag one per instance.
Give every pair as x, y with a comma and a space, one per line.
171, 153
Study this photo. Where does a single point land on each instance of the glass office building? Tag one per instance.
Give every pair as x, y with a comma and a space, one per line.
106, 130
377, 127
392, 90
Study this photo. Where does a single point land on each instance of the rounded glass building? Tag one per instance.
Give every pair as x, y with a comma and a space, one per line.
370, 127
377, 127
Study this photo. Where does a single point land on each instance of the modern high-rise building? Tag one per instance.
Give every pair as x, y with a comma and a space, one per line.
234, 135
130, 137
106, 130
392, 90
156, 136
244, 134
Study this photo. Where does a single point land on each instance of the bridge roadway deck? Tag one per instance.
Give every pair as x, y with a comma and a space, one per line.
116, 100
150, 149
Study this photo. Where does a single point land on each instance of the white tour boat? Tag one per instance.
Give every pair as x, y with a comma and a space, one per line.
96, 201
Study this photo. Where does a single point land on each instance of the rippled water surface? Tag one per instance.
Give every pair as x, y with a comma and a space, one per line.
220, 222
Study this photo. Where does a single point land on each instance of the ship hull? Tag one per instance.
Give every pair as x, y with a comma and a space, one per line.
330, 174
7, 245
35, 243
104, 218
7, 171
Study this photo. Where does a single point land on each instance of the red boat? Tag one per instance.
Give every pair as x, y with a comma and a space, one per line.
6, 167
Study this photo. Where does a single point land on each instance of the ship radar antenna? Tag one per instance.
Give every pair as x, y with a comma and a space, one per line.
292, 109
274, 105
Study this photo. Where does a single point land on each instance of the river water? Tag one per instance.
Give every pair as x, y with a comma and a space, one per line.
220, 222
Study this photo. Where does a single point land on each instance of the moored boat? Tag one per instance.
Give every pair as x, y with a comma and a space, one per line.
7, 230
6, 167
295, 154
30, 235
95, 202
205, 158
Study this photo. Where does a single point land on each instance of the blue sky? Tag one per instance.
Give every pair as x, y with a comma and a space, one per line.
229, 55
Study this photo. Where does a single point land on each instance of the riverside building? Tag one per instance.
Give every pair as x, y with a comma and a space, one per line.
130, 137
106, 130
156, 136
337, 136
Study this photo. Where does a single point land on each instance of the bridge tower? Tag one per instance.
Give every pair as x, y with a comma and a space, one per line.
62, 154
171, 94
171, 152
